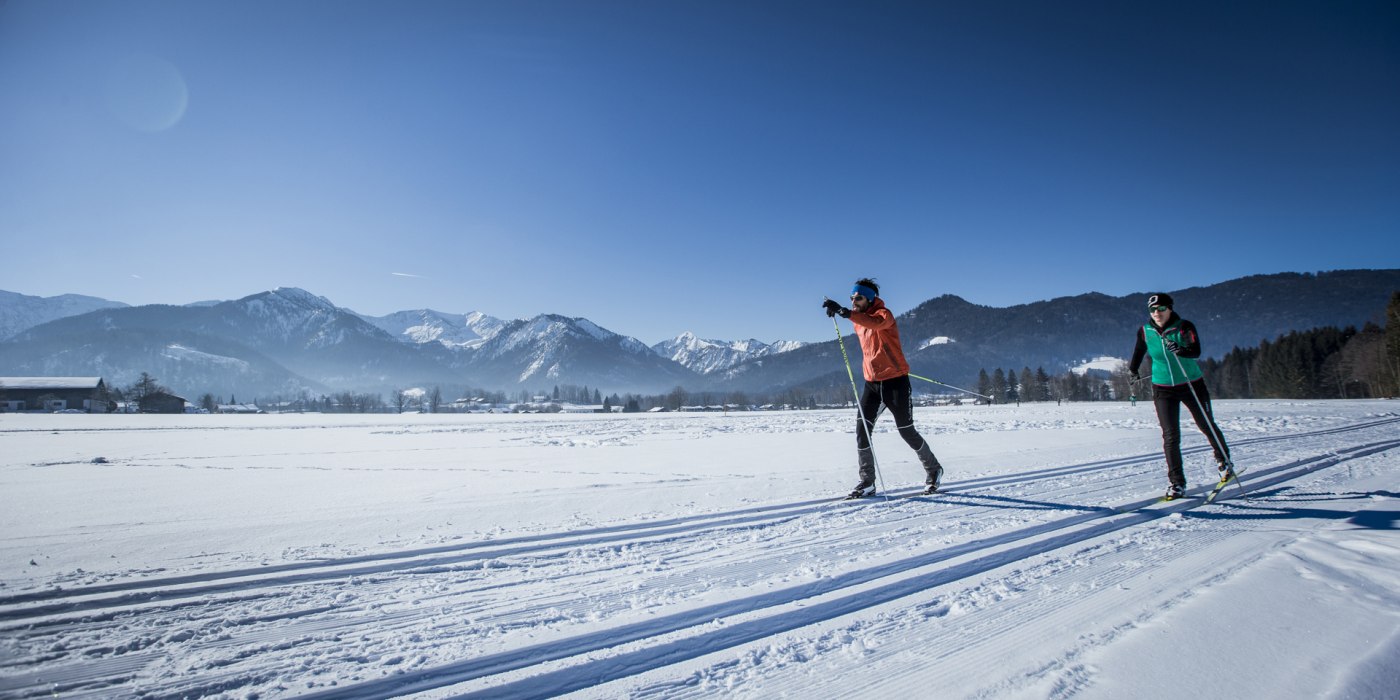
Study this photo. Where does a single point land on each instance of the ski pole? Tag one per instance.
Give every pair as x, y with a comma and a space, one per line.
860, 410
950, 386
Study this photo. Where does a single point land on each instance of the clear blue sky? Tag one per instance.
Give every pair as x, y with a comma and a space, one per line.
680, 165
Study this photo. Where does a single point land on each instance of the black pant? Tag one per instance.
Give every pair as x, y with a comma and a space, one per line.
1168, 400
896, 395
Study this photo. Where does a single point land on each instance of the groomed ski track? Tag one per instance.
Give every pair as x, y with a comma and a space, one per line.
715, 600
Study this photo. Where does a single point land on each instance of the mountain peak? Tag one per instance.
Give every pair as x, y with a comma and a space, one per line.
454, 331
299, 296
708, 356
20, 312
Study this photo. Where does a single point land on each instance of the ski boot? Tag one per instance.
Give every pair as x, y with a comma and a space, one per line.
1226, 468
933, 471
1174, 492
862, 490
866, 487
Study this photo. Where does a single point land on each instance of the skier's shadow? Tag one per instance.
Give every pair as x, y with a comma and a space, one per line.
1253, 509
1021, 503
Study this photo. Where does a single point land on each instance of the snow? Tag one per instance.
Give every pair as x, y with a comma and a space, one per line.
1103, 364
709, 356
697, 555
455, 331
704, 357
594, 329
938, 340
49, 382
301, 297
176, 351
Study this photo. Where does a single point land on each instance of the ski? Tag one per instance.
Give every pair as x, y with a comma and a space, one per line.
1147, 503
887, 496
1233, 476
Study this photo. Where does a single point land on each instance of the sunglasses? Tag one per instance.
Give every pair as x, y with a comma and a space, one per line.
857, 297
1154, 309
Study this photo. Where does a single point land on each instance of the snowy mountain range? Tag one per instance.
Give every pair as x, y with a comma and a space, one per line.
569, 350
288, 340
428, 326
19, 312
709, 356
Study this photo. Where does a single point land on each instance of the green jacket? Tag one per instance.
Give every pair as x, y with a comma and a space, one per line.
1169, 369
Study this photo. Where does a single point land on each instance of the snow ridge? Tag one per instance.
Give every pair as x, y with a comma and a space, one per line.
453, 331
20, 312
184, 354
709, 356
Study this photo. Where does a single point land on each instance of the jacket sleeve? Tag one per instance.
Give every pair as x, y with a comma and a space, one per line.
1190, 344
880, 320
1139, 351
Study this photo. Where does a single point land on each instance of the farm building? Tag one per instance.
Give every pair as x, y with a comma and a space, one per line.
54, 394
161, 402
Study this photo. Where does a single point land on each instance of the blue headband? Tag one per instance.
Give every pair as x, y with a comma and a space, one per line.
864, 291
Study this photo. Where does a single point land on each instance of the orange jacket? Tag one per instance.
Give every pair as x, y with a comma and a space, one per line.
879, 343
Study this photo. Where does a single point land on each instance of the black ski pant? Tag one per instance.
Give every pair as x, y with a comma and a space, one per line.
896, 395
1168, 400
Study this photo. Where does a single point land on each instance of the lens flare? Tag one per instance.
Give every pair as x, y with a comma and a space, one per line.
146, 93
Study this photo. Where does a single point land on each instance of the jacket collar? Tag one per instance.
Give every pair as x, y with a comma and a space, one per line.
1172, 320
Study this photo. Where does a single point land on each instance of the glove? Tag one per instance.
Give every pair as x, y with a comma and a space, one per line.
833, 308
1171, 346
1133, 378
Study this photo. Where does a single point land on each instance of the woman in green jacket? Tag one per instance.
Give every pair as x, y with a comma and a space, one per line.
1172, 343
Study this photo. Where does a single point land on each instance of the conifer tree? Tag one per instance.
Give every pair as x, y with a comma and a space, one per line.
1391, 371
1042, 385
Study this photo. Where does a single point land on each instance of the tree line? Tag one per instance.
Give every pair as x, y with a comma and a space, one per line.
1321, 363
1009, 386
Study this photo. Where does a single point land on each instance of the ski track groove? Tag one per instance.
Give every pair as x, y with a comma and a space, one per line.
385, 562
590, 673
629, 663
540, 571
966, 640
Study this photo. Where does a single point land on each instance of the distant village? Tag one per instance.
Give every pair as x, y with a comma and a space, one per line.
92, 395
95, 395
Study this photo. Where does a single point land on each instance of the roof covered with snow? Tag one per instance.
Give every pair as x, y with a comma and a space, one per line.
49, 382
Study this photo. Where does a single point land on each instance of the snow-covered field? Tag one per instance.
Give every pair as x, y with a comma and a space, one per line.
697, 555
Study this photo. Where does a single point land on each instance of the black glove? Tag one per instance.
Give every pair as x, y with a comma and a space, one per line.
1171, 346
833, 308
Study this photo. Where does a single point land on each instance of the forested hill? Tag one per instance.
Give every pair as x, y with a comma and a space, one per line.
1240, 312
1060, 333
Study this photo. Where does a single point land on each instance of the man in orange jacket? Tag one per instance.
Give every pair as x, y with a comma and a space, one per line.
886, 384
